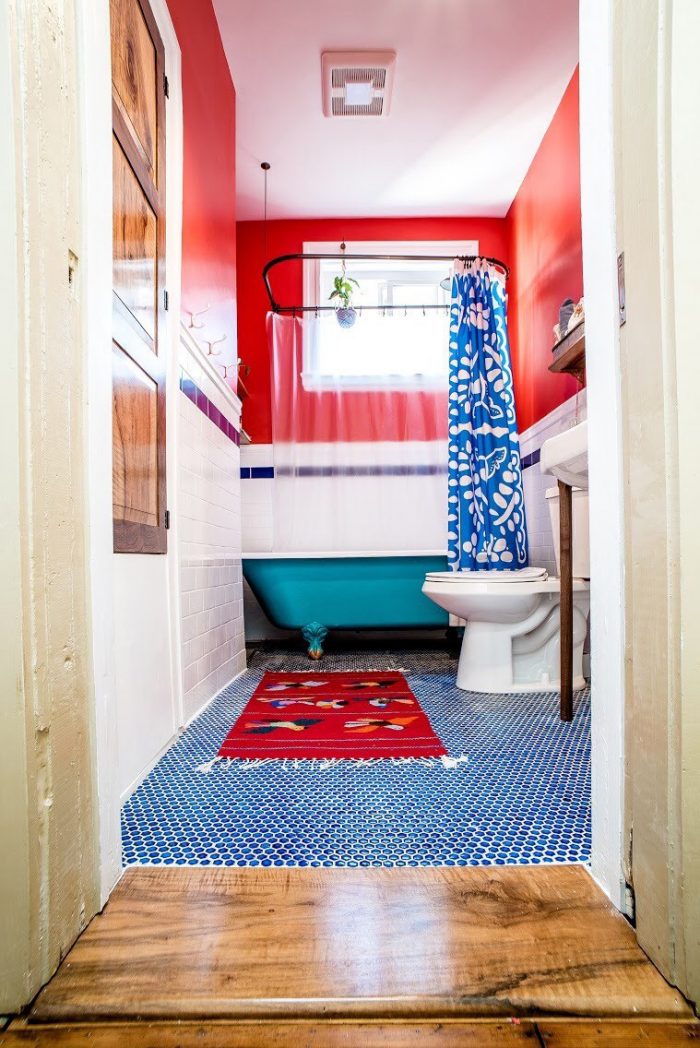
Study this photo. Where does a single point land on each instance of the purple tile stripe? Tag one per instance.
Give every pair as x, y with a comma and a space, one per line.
200, 400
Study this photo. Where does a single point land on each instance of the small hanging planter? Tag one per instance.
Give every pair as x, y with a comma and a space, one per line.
343, 290
346, 316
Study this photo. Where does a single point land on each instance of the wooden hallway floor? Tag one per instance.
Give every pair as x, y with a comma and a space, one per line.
390, 957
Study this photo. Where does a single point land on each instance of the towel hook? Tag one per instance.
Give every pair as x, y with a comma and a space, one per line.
197, 313
211, 343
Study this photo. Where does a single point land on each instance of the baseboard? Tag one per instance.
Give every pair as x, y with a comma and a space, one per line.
209, 701
133, 786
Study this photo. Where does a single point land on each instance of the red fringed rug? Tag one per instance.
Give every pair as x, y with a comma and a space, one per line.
333, 716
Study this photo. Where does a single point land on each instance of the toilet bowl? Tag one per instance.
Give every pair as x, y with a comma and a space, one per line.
511, 636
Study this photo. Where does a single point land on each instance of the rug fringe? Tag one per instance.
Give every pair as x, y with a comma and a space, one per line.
208, 765
325, 763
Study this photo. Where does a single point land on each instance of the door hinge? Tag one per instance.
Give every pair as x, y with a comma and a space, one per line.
630, 911
166, 86
166, 299
167, 520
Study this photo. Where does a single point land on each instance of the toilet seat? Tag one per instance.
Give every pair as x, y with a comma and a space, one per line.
514, 576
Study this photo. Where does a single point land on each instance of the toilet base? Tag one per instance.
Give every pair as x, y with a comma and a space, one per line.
493, 662
553, 686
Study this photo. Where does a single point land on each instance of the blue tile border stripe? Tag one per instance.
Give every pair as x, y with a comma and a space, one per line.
530, 460
269, 472
208, 408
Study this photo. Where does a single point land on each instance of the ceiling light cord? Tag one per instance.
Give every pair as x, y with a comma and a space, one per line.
265, 167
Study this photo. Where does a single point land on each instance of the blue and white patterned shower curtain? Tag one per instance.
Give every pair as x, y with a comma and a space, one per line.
486, 513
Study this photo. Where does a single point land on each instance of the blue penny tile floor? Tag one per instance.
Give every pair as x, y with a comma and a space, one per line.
522, 797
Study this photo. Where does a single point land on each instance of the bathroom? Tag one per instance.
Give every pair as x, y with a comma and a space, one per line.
339, 436
361, 697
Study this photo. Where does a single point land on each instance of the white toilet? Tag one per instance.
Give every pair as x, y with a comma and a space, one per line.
511, 637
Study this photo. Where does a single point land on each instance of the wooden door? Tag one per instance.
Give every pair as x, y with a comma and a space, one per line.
138, 292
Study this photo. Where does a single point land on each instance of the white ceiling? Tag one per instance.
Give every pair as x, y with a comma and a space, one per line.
477, 83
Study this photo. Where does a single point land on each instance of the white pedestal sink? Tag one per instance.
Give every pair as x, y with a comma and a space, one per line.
566, 456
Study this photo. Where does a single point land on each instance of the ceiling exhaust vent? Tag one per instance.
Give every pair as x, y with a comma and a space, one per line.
357, 83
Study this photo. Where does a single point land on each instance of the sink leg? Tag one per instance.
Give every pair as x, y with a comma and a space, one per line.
566, 604
314, 633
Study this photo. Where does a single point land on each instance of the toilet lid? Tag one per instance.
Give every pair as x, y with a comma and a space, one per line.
516, 575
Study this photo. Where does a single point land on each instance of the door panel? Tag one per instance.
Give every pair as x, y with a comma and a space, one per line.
135, 264
135, 422
134, 71
138, 375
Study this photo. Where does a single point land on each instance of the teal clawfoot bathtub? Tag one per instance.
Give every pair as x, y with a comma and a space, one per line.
317, 593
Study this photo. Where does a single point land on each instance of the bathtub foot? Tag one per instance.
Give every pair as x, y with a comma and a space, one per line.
314, 634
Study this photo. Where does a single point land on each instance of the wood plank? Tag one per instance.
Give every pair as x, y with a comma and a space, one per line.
281, 1035
381, 943
482, 1033
624, 1034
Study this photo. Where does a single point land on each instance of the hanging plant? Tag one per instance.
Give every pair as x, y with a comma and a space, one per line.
343, 290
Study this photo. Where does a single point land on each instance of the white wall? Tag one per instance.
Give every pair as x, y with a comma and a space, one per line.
605, 446
209, 527
257, 498
147, 711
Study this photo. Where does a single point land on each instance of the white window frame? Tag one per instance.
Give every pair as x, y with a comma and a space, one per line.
311, 379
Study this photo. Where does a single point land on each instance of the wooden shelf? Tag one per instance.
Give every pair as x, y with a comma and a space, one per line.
569, 354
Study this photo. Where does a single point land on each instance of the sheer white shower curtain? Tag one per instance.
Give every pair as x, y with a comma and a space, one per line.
357, 470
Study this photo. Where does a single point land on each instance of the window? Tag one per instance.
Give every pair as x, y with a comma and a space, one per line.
393, 347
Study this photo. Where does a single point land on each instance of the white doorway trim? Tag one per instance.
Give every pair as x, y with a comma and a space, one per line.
605, 444
96, 143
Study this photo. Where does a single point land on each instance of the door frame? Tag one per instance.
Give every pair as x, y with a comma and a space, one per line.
95, 103
599, 147
639, 158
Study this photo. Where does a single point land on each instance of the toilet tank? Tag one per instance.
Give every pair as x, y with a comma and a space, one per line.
581, 547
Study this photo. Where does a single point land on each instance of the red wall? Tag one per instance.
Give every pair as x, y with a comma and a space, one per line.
209, 189
544, 229
287, 237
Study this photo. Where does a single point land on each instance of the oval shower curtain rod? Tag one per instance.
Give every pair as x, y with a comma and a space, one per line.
341, 255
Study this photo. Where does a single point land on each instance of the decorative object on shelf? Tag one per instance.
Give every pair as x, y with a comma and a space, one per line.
577, 315
570, 316
343, 290
566, 311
